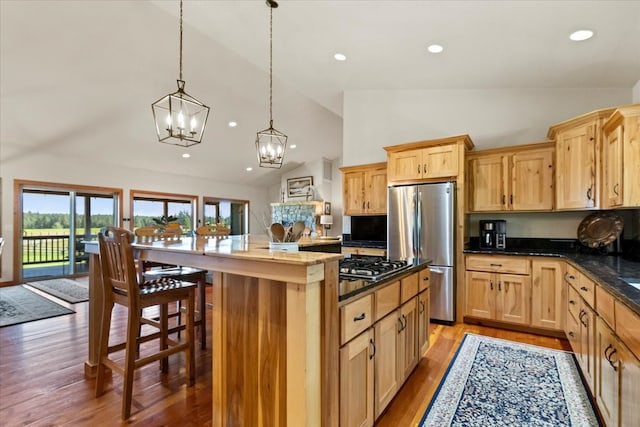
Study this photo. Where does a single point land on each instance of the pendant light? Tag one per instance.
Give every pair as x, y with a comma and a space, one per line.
270, 143
180, 118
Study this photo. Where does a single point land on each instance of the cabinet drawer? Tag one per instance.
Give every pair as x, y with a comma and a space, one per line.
387, 299
425, 277
572, 275
573, 333
573, 301
409, 287
355, 317
499, 264
587, 290
628, 327
605, 306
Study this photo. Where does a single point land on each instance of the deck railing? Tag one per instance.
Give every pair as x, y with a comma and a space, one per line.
52, 248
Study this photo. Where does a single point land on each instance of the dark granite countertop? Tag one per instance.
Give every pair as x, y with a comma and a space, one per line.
606, 270
350, 288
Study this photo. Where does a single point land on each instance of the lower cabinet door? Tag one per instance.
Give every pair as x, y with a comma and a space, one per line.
407, 339
608, 374
386, 361
423, 322
356, 381
480, 294
629, 388
514, 299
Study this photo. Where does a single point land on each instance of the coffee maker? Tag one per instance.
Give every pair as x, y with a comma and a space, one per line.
493, 234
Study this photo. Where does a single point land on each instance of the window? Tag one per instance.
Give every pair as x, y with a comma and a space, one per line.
149, 208
232, 213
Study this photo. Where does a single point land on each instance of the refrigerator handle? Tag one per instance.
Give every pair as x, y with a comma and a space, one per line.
436, 270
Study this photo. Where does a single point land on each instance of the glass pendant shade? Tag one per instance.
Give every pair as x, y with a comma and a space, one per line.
180, 118
270, 145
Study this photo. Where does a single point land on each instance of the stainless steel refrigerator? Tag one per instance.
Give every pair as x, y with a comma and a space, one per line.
421, 226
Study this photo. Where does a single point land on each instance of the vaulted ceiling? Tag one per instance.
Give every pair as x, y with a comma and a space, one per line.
78, 78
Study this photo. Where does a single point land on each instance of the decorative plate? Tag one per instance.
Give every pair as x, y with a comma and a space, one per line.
600, 229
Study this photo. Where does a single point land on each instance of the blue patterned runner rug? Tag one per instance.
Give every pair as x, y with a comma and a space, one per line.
494, 382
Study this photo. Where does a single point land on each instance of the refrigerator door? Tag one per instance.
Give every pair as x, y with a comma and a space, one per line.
442, 294
401, 215
435, 206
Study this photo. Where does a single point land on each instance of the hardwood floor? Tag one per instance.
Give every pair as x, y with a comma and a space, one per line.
42, 381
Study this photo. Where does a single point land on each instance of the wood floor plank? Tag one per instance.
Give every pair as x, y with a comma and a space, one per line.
42, 377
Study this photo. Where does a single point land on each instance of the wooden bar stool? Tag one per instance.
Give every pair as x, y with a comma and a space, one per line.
156, 271
121, 286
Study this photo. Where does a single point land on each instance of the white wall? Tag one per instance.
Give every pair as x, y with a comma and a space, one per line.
49, 168
374, 119
636, 92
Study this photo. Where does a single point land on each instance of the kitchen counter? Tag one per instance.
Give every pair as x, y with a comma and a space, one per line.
606, 270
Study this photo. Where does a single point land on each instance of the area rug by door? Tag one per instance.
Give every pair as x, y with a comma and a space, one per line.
18, 305
494, 382
65, 289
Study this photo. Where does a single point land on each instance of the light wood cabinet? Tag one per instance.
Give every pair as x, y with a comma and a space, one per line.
357, 381
423, 322
548, 294
424, 163
630, 387
621, 158
388, 345
603, 339
578, 144
495, 294
617, 366
386, 361
355, 317
407, 339
427, 160
365, 189
514, 179
607, 392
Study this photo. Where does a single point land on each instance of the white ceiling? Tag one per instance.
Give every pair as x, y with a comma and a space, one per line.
77, 78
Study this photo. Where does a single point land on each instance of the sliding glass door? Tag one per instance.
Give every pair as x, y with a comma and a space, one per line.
54, 224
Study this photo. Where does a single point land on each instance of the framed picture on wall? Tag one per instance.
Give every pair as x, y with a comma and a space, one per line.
327, 208
299, 187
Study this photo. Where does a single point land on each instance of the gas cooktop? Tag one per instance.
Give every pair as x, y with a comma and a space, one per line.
370, 267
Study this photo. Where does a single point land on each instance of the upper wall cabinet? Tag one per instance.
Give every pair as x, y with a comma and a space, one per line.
426, 161
621, 158
578, 144
511, 179
364, 189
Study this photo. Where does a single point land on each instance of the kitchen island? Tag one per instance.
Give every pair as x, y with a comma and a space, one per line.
274, 329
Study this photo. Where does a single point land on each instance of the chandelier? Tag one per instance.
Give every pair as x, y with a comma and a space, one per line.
270, 143
180, 118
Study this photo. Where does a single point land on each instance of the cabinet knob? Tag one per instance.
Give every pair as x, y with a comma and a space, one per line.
615, 189
373, 346
584, 289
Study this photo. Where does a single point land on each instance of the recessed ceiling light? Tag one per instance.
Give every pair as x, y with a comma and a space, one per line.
186, 155
340, 57
580, 35
435, 48
292, 146
233, 124
249, 169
